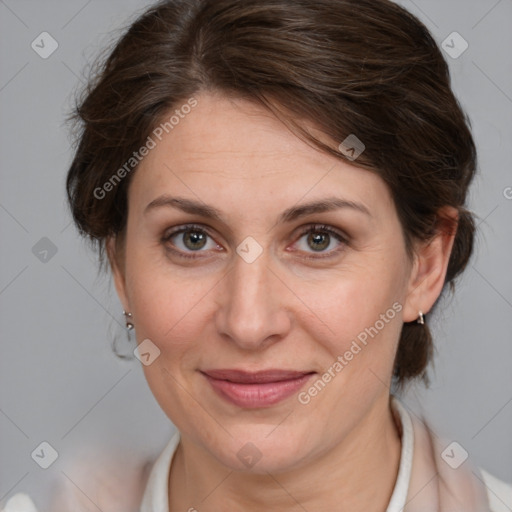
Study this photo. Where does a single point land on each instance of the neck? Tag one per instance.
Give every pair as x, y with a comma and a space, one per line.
357, 475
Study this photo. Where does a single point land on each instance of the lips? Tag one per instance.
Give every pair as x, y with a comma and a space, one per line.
256, 389
260, 377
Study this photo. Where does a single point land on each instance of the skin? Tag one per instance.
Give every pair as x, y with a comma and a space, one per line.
340, 451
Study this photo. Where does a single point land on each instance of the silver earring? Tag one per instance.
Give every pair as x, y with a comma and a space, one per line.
129, 323
421, 318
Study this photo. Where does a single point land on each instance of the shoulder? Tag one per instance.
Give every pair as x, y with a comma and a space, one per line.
499, 492
20, 502
115, 486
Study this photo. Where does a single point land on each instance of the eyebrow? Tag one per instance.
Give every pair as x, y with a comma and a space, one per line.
295, 212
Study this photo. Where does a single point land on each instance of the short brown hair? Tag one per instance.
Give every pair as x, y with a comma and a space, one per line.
363, 67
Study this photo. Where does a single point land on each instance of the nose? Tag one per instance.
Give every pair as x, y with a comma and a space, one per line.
253, 308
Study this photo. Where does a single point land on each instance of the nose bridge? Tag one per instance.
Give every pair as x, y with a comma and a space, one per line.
252, 310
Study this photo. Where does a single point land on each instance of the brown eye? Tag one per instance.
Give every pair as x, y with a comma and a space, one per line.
318, 241
194, 240
188, 239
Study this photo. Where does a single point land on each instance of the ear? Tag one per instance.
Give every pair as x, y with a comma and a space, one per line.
430, 265
116, 257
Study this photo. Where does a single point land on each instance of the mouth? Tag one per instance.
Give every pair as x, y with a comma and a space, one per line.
256, 389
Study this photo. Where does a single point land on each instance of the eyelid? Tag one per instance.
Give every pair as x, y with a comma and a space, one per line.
184, 227
168, 234
342, 237
323, 227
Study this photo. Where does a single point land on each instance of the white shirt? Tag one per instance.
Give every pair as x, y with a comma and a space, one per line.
156, 495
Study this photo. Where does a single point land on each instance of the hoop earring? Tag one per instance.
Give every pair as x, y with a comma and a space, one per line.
421, 318
129, 323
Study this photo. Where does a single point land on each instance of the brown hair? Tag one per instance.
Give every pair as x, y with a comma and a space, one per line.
363, 67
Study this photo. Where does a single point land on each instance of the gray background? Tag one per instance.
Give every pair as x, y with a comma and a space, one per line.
60, 381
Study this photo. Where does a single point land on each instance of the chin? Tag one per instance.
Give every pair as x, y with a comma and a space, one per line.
261, 453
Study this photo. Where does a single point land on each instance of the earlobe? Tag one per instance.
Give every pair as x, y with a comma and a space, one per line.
117, 269
431, 263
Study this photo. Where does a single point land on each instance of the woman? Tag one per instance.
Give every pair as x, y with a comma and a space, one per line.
279, 188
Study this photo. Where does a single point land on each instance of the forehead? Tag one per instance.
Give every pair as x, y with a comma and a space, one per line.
235, 152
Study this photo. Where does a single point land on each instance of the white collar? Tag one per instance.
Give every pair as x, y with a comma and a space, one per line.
156, 494
404, 424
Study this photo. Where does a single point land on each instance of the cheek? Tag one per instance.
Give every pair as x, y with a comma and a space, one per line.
165, 310
356, 343
357, 312
162, 296
171, 313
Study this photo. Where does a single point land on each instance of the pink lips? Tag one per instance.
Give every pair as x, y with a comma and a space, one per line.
256, 389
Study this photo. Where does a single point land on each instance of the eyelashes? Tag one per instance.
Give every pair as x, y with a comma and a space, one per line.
189, 228
323, 230
195, 240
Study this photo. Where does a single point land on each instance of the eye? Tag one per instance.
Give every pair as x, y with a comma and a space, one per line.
189, 238
318, 238
195, 239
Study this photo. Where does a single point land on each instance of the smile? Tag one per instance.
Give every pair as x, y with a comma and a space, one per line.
256, 390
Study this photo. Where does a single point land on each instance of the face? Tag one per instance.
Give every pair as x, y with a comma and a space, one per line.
265, 283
